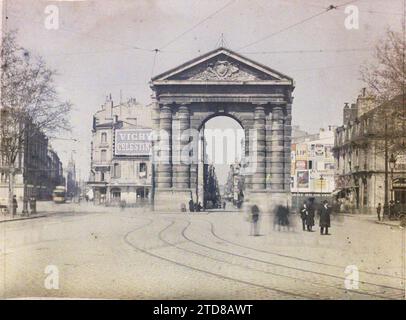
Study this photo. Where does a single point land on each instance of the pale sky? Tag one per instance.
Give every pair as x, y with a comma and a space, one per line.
105, 46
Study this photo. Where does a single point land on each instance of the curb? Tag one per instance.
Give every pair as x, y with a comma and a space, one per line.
25, 218
389, 224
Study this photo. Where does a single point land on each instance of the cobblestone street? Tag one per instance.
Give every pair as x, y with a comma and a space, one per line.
141, 255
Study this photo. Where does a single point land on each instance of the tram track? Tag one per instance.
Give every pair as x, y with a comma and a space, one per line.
285, 292
399, 290
214, 274
317, 284
292, 257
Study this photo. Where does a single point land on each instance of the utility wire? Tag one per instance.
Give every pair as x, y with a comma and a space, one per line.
197, 24
27, 18
329, 8
308, 51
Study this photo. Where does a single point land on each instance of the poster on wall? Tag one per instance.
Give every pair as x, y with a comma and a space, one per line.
132, 142
301, 165
303, 179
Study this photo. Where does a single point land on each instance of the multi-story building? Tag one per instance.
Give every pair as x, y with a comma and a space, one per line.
360, 155
121, 167
37, 167
55, 170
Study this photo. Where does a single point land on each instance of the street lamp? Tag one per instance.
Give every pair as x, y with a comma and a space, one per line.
321, 184
392, 163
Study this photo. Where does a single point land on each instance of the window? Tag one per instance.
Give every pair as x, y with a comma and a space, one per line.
310, 164
143, 170
104, 137
116, 170
103, 155
101, 176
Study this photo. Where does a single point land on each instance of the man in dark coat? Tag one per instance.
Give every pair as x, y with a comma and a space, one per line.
324, 218
310, 218
191, 206
303, 215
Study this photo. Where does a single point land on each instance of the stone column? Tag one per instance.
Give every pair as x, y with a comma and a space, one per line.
277, 150
258, 178
268, 157
155, 141
287, 146
181, 177
164, 170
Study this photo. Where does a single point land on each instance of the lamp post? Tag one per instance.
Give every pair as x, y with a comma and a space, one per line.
321, 184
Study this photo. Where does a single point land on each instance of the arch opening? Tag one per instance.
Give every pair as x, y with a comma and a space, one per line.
221, 153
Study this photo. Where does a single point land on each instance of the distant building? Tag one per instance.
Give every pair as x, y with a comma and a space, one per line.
55, 170
72, 184
234, 188
121, 167
312, 166
360, 156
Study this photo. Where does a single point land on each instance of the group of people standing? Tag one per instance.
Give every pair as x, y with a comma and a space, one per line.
307, 214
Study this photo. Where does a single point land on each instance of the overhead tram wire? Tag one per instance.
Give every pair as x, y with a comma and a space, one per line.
127, 46
329, 8
309, 51
197, 24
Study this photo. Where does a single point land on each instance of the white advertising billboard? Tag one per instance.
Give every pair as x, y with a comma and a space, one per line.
132, 142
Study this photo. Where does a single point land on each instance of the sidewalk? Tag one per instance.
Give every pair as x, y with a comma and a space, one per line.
373, 218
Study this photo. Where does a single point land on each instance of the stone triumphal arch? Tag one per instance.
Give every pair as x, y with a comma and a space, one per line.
223, 82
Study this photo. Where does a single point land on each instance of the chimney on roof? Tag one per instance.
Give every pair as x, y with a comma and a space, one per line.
109, 107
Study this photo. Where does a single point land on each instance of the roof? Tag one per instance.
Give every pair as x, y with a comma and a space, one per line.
275, 75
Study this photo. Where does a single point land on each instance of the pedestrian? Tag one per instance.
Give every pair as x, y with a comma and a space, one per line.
224, 205
15, 205
303, 215
310, 218
324, 222
378, 211
254, 220
391, 209
123, 204
191, 206
397, 209
33, 205
282, 217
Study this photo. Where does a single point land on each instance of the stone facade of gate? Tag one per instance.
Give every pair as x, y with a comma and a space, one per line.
223, 83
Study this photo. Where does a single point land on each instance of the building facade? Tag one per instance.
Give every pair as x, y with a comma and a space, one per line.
361, 167
121, 169
312, 166
38, 168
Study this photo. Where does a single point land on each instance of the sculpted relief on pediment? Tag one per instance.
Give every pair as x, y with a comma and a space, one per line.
219, 70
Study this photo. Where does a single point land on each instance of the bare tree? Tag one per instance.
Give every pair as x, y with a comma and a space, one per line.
28, 100
386, 81
385, 76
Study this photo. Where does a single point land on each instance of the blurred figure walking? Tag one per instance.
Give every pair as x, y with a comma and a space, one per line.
282, 219
378, 211
254, 220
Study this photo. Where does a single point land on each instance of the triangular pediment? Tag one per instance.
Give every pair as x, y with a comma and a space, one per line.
221, 65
